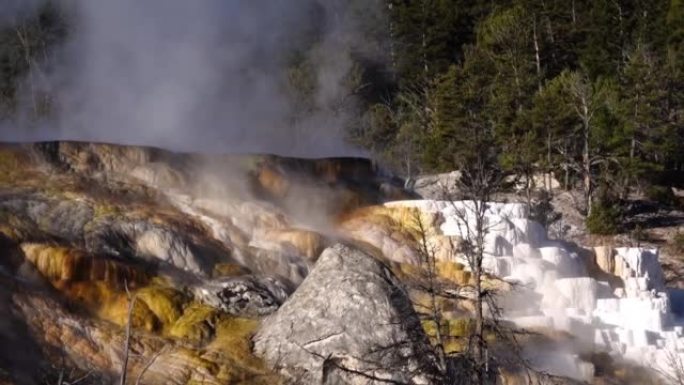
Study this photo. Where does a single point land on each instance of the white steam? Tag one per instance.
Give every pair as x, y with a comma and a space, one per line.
13, 10
206, 75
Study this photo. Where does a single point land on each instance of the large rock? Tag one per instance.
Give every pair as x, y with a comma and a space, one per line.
439, 186
350, 322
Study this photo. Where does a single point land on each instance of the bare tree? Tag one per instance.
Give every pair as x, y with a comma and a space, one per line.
127, 339
478, 363
586, 98
149, 364
428, 258
478, 183
672, 371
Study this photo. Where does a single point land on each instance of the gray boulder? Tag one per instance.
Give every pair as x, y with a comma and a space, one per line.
350, 322
437, 186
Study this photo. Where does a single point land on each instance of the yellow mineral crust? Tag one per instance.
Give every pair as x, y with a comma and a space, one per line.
65, 264
307, 243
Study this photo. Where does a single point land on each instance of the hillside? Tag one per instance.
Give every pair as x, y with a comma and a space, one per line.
238, 270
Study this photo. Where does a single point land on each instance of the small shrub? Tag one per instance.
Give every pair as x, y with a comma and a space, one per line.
9, 168
542, 211
678, 242
604, 219
661, 194
639, 234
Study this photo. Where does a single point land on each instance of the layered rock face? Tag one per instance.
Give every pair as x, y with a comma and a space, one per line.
191, 251
350, 322
610, 299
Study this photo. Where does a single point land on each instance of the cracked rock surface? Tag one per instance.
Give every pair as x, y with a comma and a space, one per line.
243, 296
350, 322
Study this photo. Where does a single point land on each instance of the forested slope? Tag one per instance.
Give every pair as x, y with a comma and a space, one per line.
589, 90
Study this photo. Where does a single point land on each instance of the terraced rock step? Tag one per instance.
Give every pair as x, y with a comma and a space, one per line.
610, 299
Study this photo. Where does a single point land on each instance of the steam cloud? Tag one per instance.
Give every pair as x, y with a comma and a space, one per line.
207, 75
12, 10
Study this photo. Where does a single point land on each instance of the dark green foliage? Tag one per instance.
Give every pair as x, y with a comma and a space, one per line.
661, 194
430, 33
589, 90
604, 219
542, 211
462, 130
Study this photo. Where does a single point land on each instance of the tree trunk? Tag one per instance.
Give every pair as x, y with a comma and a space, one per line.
479, 328
537, 57
393, 54
632, 147
430, 264
479, 313
518, 89
127, 342
586, 159
548, 162
621, 34
574, 15
423, 36
21, 34
529, 185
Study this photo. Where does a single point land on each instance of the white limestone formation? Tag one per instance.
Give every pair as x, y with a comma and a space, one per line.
629, 316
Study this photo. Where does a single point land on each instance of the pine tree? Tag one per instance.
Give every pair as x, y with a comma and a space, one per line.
429, 35
642, 96
463, 130
507, 36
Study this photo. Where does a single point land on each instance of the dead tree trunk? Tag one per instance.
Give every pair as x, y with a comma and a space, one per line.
586, 157
127, 341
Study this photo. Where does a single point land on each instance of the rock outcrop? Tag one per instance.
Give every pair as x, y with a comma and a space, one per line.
350, 322
209, 245
244, 296
97, 347
439, 186
206, 244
